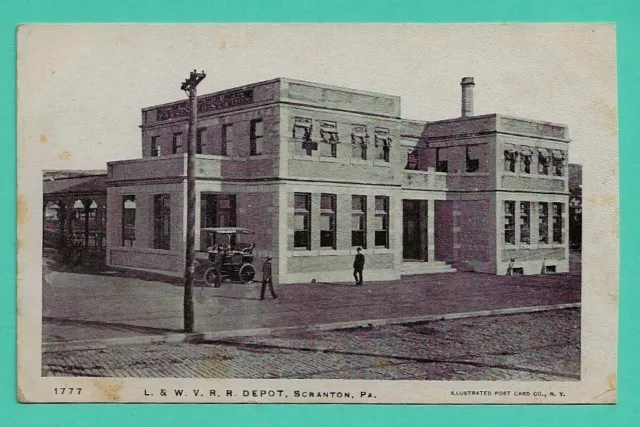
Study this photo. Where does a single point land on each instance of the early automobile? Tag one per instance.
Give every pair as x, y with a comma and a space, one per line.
236, 245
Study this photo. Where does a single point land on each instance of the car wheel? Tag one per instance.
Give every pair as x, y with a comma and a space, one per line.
247, 273
210, 276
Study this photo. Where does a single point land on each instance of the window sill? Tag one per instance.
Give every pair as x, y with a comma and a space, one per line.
259, 156
354, 251
317, 252
332, 252
416, 171
359, 161
237, 158
303, 252
211, 156
382, 250
479, 174
532, 175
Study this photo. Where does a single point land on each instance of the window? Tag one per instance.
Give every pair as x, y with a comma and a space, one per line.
359, 142
177, 143
509, 222
128, 220
302, 221
382, 144
472, 164
302, 131
200, 140
558, 162
329, 136
412, 159
226, 210
226, 140
557, 222
543, 222
256, 137
510, 158
544, 159
525, 159
328, 221
155, 151
359, 221
162, 221
442, 165
382, 222
525, 222
216, 210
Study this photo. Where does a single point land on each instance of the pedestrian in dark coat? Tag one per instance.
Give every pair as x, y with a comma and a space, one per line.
267, 278
219, 260
358, 266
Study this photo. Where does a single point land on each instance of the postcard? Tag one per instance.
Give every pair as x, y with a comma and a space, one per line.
288, 213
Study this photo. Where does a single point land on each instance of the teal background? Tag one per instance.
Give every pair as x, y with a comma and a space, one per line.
623, 12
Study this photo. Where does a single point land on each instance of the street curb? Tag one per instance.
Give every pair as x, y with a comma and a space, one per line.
287, 330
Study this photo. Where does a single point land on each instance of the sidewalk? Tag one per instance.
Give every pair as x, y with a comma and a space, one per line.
106, 306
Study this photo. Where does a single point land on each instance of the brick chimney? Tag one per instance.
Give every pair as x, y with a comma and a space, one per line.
467, 96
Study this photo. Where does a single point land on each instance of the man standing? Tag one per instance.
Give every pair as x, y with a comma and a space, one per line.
358, 266
267, 278
218, 265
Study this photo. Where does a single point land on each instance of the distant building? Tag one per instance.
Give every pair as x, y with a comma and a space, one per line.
318, 171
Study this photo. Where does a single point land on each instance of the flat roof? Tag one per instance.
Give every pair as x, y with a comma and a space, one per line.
277, 79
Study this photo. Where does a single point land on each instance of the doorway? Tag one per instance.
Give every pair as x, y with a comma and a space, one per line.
414, 230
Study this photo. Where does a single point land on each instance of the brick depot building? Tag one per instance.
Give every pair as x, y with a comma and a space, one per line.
317, 171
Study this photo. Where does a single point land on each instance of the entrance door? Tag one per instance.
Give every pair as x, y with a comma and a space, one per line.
413, 231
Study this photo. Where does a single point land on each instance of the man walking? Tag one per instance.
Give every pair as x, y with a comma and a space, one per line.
358, 266
267, 278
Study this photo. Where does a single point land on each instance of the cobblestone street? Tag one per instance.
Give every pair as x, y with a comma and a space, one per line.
538, 346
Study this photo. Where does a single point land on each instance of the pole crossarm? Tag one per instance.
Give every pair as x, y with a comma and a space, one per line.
194, 79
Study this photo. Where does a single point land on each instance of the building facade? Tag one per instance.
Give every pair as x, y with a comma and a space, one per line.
317, 171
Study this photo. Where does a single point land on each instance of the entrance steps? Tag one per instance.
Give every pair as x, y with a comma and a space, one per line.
408, 268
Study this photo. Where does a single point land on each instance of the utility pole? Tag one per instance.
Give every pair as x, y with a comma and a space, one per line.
189, 86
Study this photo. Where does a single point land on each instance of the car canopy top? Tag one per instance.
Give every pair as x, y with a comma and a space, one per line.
228, 230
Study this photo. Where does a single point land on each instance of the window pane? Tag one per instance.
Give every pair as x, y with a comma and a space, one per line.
300, 222
357, 222
258, 128
325, 222
162, 221
301, 239
379, 222
509, 223
525, 223
326, 202
557, 222
357, 239
228, 132
326, 239
357, 203
128, 220
543, 223
301, 202
299, 132
381, 204
381, 238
